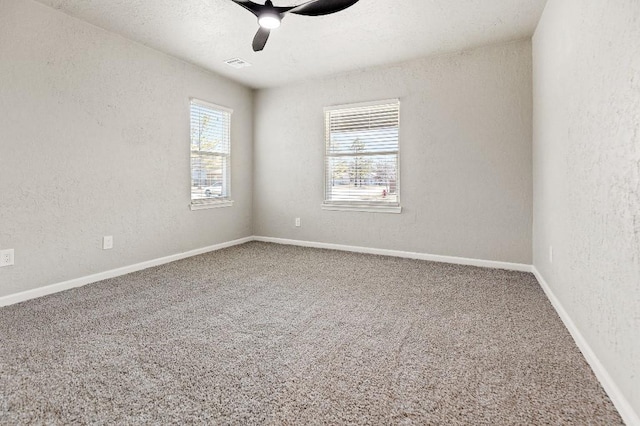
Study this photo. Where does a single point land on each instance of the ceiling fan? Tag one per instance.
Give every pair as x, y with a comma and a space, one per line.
269, 16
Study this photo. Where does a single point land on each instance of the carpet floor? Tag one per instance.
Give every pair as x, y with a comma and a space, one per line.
271, 334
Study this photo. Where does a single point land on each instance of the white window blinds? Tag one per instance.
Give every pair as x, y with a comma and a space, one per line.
210, 152
362, 154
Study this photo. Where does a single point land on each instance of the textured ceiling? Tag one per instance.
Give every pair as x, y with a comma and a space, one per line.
370, 33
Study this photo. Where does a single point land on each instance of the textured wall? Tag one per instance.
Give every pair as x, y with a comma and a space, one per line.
587, 174
94, 141
465, 156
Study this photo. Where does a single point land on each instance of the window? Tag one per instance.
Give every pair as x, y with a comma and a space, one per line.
210, 155
362, 157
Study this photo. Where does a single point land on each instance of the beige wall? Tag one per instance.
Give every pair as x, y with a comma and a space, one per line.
94, 141
465, 156
586, 171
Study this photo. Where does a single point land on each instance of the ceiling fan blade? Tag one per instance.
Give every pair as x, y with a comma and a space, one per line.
252, 7
320, 7
260, 39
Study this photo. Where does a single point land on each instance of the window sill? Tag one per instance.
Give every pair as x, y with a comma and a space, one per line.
211, 205
356, 208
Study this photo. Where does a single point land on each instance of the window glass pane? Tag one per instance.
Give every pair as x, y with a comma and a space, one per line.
207, 175
363, 178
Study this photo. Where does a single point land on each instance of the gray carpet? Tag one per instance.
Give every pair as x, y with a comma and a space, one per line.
270, 334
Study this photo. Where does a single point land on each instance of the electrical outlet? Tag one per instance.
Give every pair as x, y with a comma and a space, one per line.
550, 254
6, 258
297, 221
107, 242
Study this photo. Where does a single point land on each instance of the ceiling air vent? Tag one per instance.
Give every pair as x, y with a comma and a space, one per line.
237, 63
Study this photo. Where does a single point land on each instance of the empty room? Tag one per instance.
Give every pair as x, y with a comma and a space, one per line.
320, 212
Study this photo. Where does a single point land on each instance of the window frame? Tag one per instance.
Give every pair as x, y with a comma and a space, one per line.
200, 204
355, 205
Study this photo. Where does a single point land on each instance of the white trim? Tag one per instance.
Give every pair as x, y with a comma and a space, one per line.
628, 414
361, 208
406, 254
362, 104
200, 102
79, 282
211, 205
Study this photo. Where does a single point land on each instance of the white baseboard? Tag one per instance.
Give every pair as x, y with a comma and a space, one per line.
406, 254
79, 282
623, 406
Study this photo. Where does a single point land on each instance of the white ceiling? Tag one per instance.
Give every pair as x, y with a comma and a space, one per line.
370, 33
